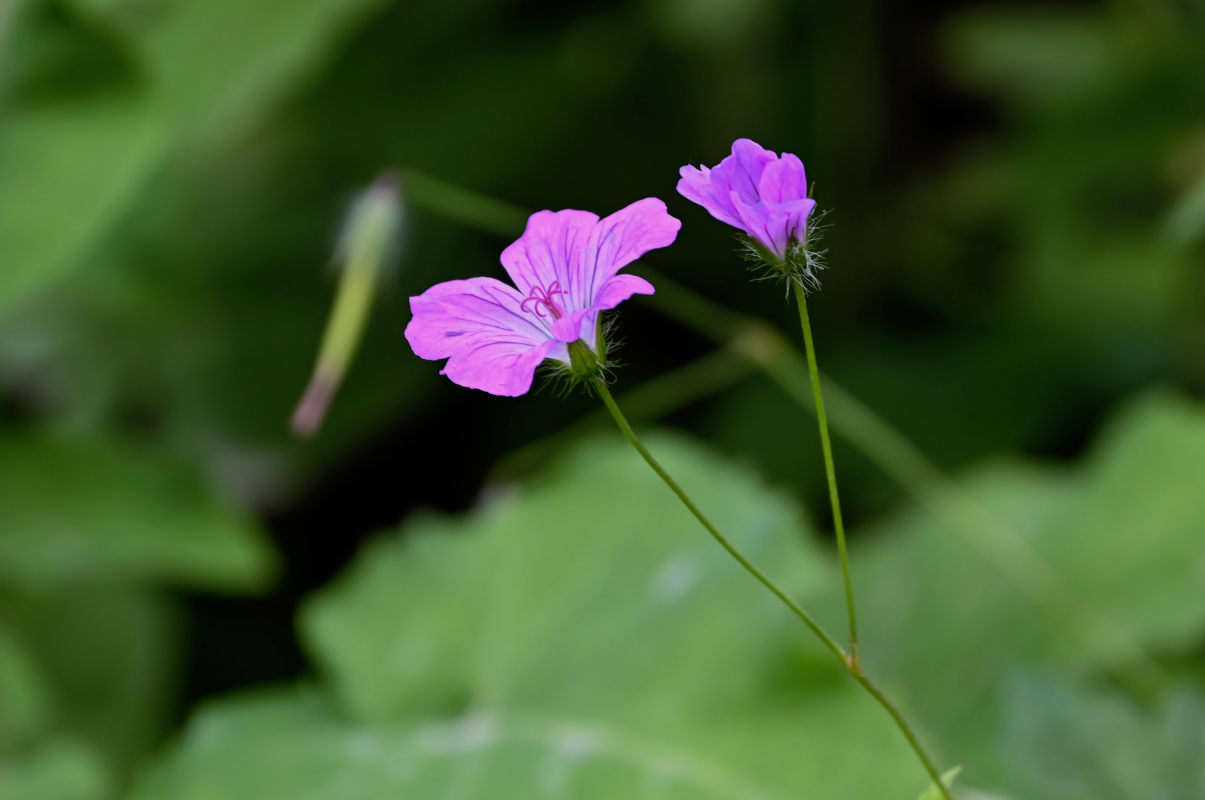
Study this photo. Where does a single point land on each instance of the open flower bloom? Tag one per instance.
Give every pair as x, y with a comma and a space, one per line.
758, 192
565, 266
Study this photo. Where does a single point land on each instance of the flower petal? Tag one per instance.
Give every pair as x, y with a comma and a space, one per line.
698, 186
549, 249
619, 288
758, 220
795, 217
742, 171
498, 367
478, 325
783, 180
615, 242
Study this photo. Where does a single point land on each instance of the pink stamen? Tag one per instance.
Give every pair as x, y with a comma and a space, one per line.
541, 299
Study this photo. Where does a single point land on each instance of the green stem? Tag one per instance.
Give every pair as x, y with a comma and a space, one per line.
847, 661
829, 470
600, 387
902, 724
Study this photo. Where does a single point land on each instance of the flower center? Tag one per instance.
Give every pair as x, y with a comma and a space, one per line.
540, 300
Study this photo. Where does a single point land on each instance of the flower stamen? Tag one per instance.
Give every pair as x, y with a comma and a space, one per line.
541, 299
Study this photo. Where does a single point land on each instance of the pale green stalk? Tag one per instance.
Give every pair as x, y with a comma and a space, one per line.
371, 226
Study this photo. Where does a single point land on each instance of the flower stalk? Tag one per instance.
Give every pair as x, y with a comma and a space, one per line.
847, 659
829, 469
363, 253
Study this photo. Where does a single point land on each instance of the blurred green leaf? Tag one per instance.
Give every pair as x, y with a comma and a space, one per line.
579, 637
218, 65
108, 656
97, 95
79, 135
24, 700
518, 582
1121, 535
1073, 742
73, 508
286, 746
59, 770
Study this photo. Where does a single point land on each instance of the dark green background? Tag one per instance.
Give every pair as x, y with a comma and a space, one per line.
1015, 217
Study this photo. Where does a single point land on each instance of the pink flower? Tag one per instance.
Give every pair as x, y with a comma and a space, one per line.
758, 192
565, 265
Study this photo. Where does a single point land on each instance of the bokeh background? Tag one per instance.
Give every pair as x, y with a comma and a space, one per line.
1011, 322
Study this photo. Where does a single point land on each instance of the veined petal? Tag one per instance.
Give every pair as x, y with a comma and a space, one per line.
497, 366
619, 288
697, 186
549, 249
615, 242
478, 325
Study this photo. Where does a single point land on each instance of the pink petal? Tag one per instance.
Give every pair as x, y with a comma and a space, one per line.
743, 169
698, 186
477, 324
783, 180
758, 220
549, 249
611, 294
617, 241
498, 367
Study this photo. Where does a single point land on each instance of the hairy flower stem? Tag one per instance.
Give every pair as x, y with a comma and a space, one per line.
829, 470
848, 661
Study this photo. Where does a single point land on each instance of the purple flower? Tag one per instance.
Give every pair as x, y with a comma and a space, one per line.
565, 265
756, 191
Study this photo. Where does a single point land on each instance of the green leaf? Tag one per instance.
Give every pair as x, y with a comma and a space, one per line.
24, 700
541, 586
60, 770
95, 96
79, 135
218, 64
1075, 742
580, 637
289, 745
132, 515
1039, 583
107, 657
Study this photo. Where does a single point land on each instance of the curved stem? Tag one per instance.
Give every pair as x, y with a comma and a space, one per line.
603, 392
829, 470
848, 661
902, 724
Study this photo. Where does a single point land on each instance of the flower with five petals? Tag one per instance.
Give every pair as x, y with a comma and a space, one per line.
566, 267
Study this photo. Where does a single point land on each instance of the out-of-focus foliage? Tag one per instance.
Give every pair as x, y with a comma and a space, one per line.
579, 637
56, 770
1059, 602
507, 652
1017, 198
100, 92
132, 516
90, 529
1060, 732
